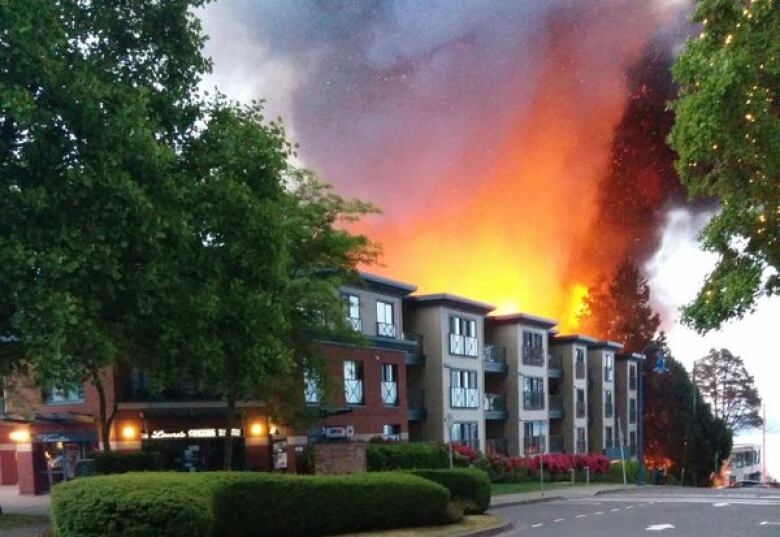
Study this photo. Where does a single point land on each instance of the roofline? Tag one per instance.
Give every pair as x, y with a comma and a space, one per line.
524, 318
582, 339
384, 285
456, 301
630, 356
607, 344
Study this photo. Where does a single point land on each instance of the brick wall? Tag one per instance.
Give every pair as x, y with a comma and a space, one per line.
339, 457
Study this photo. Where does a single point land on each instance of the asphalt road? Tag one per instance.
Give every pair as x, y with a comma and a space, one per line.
668, 512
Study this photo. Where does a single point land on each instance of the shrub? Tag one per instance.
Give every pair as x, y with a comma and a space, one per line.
244, 504
132, 505
119, 463
406, 456
468, 487
281, 505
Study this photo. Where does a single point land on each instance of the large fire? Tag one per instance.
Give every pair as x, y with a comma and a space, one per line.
514, 234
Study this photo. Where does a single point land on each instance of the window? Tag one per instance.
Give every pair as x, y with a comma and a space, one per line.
352, 312
608, 409
632, 377
465, 433
353, 382
608, 367
63, 395
311, 387
534, 437
390, 384
581, 445
632, 443
533, 348
463, 336
579, 365
580, 403
533, 393
391, 432
608, 437
632, 411
464, 392
385, 323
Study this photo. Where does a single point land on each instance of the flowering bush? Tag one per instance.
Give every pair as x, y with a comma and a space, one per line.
464, 451
555, 465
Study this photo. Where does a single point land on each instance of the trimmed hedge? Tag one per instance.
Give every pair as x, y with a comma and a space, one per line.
244, 504
299, 506
468, 486
406, 456
119, 463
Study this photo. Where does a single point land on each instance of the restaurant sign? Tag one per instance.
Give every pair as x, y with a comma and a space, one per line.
161, 434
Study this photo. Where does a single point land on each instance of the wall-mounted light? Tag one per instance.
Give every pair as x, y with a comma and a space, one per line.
129, 432
20, 435
256, 429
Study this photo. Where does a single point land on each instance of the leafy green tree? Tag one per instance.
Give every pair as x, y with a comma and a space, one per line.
727, 136
95, 98
729, 389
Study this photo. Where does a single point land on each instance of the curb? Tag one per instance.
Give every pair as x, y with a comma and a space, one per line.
613, 491
527, 501
506, 525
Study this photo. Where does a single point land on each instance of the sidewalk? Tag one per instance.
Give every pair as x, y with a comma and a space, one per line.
13, 502
558, 494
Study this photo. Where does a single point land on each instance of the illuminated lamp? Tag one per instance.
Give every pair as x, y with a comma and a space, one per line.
20, 435
256, 429
129, 432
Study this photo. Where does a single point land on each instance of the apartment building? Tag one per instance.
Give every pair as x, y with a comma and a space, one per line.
602, 427
452, 332
570, 354
627, 369
524, 339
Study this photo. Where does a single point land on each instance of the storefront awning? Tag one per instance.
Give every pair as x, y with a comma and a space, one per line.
66, 436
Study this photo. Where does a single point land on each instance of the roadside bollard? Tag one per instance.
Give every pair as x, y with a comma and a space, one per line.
587, 475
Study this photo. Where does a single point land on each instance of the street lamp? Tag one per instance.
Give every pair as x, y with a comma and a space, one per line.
659, 368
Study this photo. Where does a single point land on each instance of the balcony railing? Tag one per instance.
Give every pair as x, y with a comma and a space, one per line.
415, 401
311, 390
581, 446
555, 361
495, 402
632, 450
355, 324
632, 416
461, 345
632, 382
533, 400
609, 443
579, 370
495, 355
386, 330
389, 393
533, 445
414, 356
609, 409
556, 443
607, 374
496, 446
464, 398
556, 408
353, 392
579, 408
533, 355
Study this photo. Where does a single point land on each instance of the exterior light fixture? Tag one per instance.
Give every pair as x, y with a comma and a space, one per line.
129, 432
256, 429
20, 435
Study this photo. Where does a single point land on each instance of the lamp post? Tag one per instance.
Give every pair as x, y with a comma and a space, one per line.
659, 368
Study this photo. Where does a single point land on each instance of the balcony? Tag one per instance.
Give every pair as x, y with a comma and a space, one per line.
533, 355
533, 445
632, 382
556, 444
461, 345
495, 359
533, 400
579, 370
607, 374
579, 408
632, 416
355, 324
609, 409
632, 450
415, 401
496, 446
353, 391
556, 409
387, 330
495, 406
389, 391
141, 390
581, 446
415, 356
555, 366
464, 398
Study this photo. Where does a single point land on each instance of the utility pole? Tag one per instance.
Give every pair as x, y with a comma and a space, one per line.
763, 449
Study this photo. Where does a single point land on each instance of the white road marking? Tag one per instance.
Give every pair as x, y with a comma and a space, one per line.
765, 523
581, 516
630, 507
660, 527
537, 525
599, 513
614, 510
720, 504
559, 520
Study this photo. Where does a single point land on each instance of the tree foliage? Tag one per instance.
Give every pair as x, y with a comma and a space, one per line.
94, 99
729, 388
727, 136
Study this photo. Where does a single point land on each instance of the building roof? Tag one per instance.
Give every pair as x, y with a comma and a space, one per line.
630, 356
524, 318
609, 345
388, 286
453, 301
581, 339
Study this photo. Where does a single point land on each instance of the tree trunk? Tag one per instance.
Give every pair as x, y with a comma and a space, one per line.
230, 420
105, 419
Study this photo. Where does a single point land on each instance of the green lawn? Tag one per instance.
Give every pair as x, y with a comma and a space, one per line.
10, 521
499, 489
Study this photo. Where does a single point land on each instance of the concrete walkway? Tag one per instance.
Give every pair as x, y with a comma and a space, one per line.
557, 493
13, 502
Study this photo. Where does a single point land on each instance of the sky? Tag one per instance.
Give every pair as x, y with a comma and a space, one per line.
512, 146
